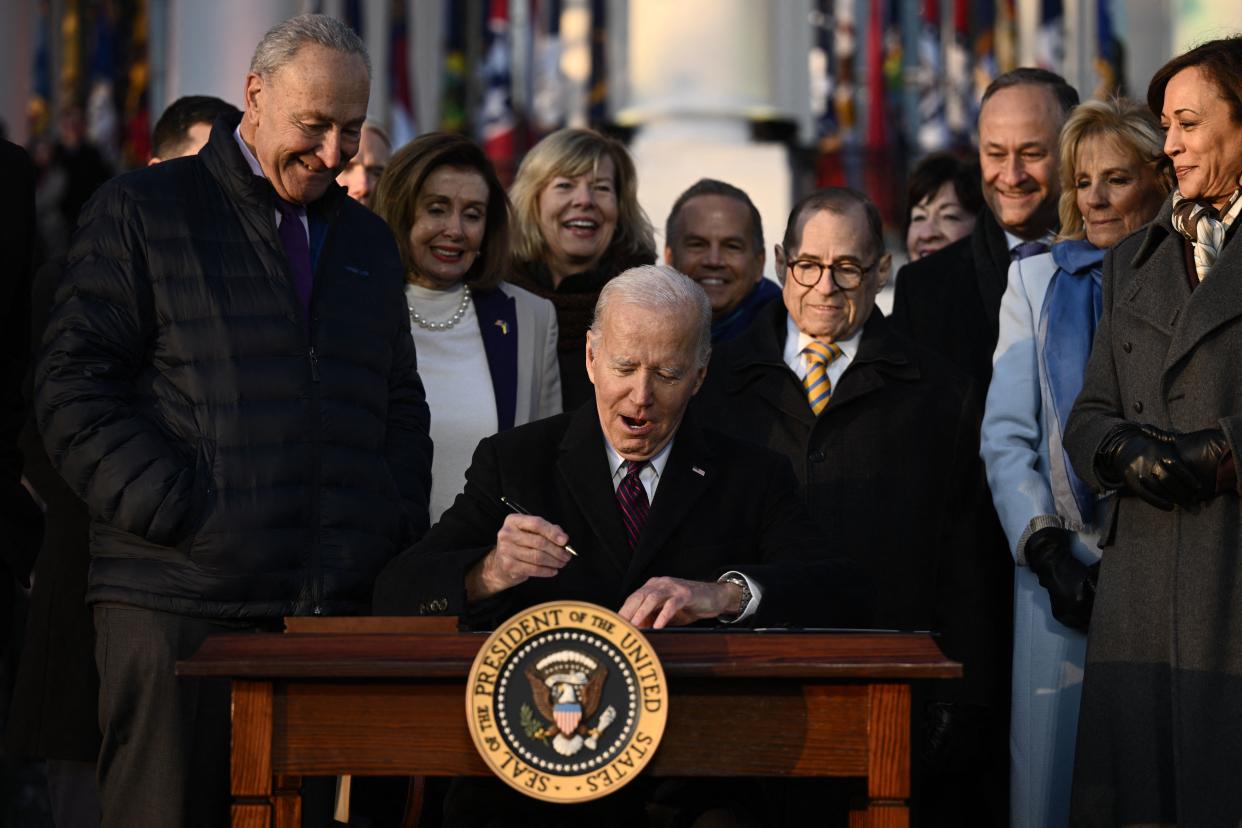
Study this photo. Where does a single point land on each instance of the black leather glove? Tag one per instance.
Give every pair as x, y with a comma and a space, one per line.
1069, 581
1144, 461
1202, 452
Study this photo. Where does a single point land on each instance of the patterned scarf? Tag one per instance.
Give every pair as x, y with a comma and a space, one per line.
1205, 226
1067, 323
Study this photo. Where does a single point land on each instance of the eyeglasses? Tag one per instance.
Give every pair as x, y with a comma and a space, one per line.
845, 275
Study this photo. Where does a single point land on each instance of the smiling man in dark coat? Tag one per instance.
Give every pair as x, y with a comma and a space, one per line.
883, 439
229, 383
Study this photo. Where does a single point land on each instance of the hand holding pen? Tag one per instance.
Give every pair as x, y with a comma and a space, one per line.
518, 509
527, 546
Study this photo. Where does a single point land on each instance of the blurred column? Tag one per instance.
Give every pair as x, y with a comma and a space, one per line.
1081, 45
700, 72
210, 45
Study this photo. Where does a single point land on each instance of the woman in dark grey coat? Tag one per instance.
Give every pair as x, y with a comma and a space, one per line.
1158, 425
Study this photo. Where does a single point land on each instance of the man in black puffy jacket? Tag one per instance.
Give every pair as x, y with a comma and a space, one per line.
229, 382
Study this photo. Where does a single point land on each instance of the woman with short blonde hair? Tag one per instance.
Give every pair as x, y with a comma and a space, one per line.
1112, 185
1131, 127
576, 224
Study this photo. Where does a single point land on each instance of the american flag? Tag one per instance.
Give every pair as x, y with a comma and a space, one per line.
933, 132
497, 126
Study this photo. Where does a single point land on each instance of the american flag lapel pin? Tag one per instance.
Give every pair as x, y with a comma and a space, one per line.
504, 327
698, 471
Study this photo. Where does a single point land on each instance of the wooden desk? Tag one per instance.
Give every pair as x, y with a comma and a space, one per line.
392, 703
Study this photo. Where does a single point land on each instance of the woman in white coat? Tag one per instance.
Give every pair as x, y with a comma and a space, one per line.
1114, 178
486, 349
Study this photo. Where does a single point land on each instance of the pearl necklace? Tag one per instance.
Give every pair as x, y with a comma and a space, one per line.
448, 323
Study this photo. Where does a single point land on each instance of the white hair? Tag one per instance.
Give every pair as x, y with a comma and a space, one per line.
281, 43
659, 288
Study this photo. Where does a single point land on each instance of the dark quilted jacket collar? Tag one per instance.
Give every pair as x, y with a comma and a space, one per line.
227, 165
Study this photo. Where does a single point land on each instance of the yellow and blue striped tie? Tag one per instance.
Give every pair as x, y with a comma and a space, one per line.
819, 355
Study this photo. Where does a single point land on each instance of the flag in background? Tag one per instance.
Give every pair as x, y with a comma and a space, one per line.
102, 126
497, 129
70, 51
959, 99
985, 67
1006, 36
453, 111
400, 89
821, 81
1109, 53
353, 17
829, 170
547, 96
597, 91
136, 113
1050, 39
39, 110
933, 131
882, 159
844, 49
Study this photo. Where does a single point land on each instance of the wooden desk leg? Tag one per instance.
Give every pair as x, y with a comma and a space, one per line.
287, 798
251, 764
888, 772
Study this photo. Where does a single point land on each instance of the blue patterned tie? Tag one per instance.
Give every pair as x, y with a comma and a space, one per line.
632, 498
1031, 248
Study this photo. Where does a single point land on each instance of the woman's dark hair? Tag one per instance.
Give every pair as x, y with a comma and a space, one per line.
933, 171
396, 199
1220, 61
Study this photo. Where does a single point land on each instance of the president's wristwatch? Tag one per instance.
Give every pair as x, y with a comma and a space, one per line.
744, 602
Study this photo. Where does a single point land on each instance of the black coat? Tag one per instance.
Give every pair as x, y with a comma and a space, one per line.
237, 461
950, 301
709, 515
55, 709
889, 470
20, 521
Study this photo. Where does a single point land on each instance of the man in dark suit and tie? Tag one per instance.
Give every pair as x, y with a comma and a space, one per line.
668, 523
883, 435
671, 523
950, 300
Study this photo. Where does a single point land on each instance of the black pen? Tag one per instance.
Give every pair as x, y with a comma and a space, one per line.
517, 509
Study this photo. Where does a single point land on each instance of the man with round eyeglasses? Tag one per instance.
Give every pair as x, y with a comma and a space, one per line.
882, 434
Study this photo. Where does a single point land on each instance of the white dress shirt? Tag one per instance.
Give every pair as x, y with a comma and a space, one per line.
257, 169
649, 476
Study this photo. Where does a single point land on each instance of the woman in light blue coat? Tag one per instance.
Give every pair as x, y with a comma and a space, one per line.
1113, 179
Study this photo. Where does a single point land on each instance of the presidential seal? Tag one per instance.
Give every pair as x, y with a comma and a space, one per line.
566, 702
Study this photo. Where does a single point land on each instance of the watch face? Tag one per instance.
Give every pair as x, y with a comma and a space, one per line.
567, 702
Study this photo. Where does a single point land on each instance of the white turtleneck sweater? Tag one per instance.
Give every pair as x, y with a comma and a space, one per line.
453, 367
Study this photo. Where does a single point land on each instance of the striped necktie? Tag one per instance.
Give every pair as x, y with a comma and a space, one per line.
632, 498
818, 388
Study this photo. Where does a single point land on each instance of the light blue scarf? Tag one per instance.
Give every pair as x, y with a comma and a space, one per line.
1067, 323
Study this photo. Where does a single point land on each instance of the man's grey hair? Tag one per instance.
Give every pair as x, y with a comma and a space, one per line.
281, 43
659, 288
